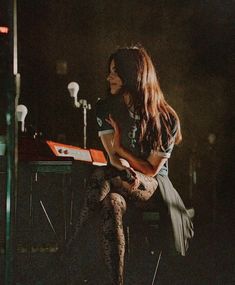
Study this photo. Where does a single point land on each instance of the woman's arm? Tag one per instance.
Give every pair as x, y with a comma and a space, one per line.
115, 160
151, 166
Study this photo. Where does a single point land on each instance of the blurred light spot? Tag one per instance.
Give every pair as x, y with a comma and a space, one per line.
4, 30
61, 67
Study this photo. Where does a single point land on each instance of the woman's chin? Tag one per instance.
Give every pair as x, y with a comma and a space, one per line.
114, 92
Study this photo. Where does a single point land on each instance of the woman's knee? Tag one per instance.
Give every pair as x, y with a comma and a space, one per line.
97, 189
115, 201
96, 194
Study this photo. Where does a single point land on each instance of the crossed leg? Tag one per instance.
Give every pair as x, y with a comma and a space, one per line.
114, 206
105, 195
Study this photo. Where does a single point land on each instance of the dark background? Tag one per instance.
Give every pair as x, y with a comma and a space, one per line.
191, 45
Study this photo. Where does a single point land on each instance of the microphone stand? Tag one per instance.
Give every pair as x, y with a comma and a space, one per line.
73, 88
85, 106
82, 103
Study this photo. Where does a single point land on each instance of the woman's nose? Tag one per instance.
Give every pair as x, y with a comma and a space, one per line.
108, 77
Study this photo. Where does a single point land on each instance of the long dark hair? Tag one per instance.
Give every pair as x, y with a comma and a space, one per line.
135, 67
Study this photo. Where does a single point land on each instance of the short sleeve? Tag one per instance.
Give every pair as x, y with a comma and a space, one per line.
102, 113
166, 148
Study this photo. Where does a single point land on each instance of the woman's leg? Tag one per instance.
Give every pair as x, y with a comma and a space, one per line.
97, 189
148, 186
145, 192
113, 209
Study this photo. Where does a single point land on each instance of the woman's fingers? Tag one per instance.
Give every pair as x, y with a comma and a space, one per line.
132, 172
131, 186
135, 184
134, 181
112, 122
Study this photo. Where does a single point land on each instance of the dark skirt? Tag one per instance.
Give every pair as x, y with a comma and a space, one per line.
181, 218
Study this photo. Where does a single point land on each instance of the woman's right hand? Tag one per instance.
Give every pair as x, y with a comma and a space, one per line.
131, 181
126, 182
116, 142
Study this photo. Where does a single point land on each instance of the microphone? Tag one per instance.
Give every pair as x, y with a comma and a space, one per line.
21, 112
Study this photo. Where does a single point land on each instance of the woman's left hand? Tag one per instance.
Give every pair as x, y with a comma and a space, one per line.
134, 182
116, 143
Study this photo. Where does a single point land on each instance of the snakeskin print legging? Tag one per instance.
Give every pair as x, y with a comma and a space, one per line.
108, 195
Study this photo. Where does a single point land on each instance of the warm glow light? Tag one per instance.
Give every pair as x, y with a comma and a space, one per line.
21, 112
4, 30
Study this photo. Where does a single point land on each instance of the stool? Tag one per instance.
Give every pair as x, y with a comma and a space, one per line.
148, 238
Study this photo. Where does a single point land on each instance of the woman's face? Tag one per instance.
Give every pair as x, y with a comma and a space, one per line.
114, 80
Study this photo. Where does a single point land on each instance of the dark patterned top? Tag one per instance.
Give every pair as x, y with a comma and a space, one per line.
129, 125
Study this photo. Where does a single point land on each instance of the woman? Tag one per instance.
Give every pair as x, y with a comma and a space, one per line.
138, 130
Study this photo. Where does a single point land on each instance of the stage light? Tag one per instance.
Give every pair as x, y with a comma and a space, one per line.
4, 30
21, 112
73, 88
